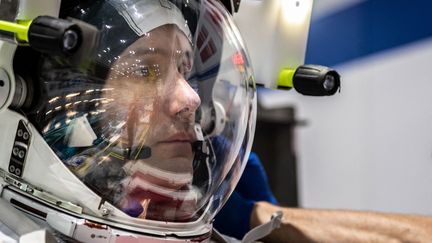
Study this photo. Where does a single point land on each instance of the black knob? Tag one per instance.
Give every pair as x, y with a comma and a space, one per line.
316, 80
53, 35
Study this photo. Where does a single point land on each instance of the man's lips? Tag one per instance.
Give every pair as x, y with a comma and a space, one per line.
178, 138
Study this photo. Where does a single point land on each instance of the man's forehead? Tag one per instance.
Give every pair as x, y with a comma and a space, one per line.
143, 48
140, 51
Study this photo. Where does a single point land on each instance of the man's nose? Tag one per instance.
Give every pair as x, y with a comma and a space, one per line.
183, 101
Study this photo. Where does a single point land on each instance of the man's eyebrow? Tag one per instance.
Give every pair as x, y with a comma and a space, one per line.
145, 52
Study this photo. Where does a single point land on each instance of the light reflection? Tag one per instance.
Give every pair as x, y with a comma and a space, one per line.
45, 130
71, 113
120, 125
295, 11
97, 99
97, 112
114, 138
53, 99
72, 95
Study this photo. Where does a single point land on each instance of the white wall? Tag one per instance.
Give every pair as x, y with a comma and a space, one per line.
369, 147
323, 8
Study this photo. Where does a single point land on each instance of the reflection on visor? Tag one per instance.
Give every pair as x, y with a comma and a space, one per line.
151, 192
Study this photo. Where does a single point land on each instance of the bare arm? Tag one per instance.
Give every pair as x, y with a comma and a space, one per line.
310, 225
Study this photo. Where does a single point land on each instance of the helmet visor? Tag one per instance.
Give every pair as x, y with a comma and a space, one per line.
157, 118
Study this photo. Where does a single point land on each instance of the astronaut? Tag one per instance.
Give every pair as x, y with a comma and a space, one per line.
122, 120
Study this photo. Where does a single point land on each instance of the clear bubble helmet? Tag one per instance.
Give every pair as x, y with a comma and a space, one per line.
150, 130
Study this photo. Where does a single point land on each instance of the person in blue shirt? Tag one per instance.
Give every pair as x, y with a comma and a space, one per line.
252, 204
234, 218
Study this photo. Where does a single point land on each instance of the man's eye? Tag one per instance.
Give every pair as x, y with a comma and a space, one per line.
142, 72
152, 71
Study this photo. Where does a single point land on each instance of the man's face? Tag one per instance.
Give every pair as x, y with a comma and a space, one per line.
150, 82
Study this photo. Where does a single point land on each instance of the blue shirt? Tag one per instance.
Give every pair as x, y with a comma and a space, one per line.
234, 218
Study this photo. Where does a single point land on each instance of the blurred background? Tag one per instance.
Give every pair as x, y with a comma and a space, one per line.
368, 147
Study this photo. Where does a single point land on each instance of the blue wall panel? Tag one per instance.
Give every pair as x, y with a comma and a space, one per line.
367, 28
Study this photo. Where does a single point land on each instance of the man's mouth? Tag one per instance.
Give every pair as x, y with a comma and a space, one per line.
179, 138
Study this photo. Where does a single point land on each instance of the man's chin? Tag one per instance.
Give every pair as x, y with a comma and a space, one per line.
171, 149
172, 157
174, 164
